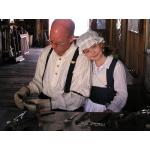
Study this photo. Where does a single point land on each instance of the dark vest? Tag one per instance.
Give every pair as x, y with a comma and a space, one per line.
102, 95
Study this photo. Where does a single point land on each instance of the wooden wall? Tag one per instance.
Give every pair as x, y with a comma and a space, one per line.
36, 27
130, 46
0, 47
135, 48
42, 31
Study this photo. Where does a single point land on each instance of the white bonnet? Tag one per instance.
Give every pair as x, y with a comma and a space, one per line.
88, 39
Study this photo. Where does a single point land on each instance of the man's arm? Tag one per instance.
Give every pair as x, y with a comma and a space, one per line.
35, 85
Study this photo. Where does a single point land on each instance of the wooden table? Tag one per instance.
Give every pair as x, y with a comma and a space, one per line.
74, 121
63, 121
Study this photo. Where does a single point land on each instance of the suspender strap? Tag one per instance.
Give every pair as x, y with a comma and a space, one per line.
110, 71
110, 79
70, 72
47, 62
77, 93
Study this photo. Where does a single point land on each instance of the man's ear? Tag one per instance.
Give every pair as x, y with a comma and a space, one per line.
73, 38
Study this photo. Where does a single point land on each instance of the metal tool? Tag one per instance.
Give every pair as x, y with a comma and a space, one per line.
69, 120
16, 119
83, 117
47, 113
90, 123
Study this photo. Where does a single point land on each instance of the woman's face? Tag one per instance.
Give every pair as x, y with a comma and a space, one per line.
95, 52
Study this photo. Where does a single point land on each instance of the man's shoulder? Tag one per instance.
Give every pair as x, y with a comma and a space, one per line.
83, 61
83, 57
46, 49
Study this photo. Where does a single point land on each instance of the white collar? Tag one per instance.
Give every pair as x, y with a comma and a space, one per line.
71, 49
106, 63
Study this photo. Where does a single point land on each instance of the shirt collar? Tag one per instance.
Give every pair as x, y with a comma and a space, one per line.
105, 65
70, 50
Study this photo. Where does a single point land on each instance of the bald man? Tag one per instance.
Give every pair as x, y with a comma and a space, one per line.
62, 77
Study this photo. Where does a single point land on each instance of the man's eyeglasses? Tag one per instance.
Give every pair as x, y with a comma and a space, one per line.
57, 44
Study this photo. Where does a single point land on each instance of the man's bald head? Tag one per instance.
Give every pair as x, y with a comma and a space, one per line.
64, 24
62, 35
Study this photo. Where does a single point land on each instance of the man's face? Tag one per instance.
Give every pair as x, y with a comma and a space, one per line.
60, 40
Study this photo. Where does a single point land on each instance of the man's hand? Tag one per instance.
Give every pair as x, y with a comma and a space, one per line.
42, 106
20, 95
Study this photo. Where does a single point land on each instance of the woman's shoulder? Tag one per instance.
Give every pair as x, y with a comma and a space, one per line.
118, 61
119, 65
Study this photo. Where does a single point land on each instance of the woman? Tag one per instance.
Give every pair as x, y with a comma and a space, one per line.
109, 87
